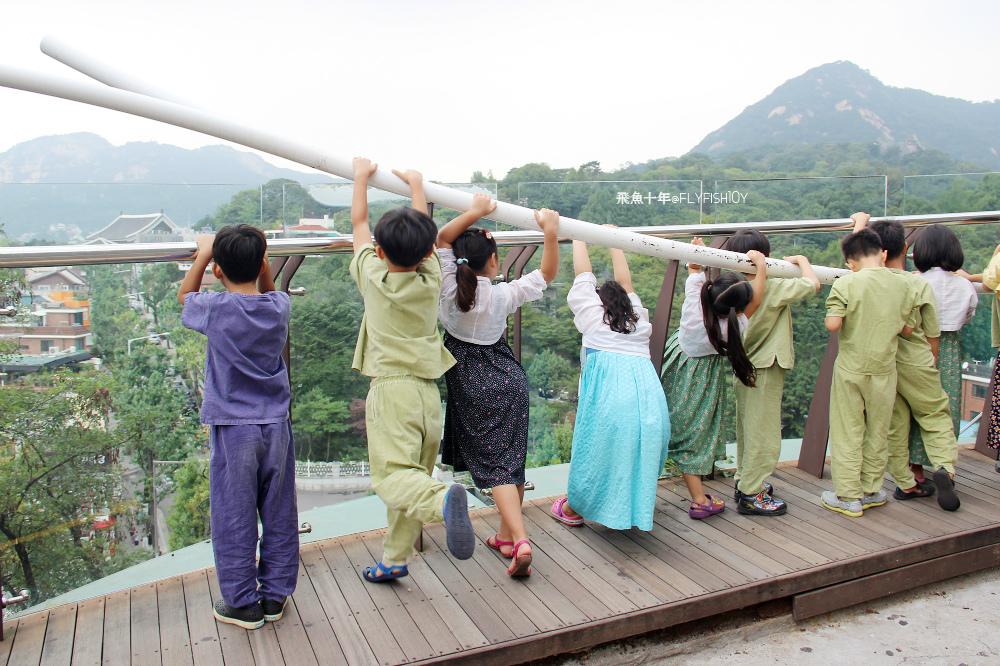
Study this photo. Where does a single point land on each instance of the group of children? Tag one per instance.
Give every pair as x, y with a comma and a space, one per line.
414, 275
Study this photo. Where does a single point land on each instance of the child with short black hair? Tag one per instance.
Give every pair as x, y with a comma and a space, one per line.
768, 344
245, 405
400, 348
869, 308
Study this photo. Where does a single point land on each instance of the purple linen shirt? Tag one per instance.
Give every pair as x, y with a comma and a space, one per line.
245, 376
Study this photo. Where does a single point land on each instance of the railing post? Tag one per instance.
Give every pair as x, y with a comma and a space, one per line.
511, 268
812, 454
661, 317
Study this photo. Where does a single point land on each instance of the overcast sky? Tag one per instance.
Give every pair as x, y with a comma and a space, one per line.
451, 87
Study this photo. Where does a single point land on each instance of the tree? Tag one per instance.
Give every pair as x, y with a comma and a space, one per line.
58, 470
190, 518
318, 419
159, 281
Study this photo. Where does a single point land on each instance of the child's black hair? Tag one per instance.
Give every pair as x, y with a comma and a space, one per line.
239, 251
893, 238
406, 236
618, 311
745, 240
864, 243
937, 246
476, 246
725, 298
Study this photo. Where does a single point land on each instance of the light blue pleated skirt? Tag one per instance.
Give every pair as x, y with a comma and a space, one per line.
619, 442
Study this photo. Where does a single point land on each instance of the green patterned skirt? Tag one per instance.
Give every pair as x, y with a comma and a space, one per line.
697, 391
950, 366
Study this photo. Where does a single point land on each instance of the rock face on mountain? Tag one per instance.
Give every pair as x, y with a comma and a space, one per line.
840, 102
88, 158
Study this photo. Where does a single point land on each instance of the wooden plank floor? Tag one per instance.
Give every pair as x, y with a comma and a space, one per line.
589, 585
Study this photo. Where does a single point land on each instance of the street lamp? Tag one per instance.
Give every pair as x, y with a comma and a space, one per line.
155, 337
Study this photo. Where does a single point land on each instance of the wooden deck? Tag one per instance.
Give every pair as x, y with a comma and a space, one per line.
590, 585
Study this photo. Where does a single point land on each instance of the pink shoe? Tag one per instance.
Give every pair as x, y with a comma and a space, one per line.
714, 506
557, 513
495, 542
521, 566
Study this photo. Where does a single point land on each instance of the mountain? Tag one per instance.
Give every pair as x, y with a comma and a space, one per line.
63, 187
88, 158
840, 102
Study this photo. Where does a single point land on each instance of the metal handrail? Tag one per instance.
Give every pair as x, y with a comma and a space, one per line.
80, 255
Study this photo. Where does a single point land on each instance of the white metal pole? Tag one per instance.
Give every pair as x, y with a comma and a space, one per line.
207, 123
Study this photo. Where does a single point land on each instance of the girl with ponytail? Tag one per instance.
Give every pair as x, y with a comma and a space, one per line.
486, 418
622, 425
697, 363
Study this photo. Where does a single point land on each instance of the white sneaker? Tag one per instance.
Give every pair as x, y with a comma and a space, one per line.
875, 499
850, 508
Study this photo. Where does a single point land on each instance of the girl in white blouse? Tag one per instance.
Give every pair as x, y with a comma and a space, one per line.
622, 426
937, 254
486, 418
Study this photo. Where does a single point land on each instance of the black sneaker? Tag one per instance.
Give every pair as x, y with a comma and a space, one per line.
924, 489
273, 609
947, 497
761, 504
248, 617
768, 488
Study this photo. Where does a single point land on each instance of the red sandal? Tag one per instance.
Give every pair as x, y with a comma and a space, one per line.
496, 544
521, 566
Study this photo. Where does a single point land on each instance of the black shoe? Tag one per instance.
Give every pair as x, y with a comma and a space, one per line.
923, 489
997, 467
947, 497
768, 488
761, 504
248, 617
273, 609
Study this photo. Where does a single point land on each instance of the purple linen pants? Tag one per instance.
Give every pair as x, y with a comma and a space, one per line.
252, 472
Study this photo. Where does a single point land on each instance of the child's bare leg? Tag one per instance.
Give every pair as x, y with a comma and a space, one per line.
693, 482
568, 510
508, 501
918, 472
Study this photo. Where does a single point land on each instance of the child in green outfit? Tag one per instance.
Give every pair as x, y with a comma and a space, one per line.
400, 349
918, 384
768, 344
869, 308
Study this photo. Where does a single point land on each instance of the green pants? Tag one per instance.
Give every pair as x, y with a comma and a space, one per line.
758, 428
403, 416
919, 392
860, 411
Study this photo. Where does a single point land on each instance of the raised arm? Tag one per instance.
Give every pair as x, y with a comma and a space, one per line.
416, 182
548, 220
482, 206
807, 270
362, 234
581, 258
860, 221
759, 281
265, 281
695, 268
623, 275
202, 257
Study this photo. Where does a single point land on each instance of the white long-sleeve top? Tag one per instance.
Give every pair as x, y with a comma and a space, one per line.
485, 323
588, 315
692, 336
956, 298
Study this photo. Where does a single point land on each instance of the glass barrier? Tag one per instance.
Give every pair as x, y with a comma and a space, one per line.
111, 468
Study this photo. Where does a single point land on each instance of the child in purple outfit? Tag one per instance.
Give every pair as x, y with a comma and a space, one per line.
252, 469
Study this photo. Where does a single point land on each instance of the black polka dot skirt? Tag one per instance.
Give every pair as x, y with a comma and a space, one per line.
486, 418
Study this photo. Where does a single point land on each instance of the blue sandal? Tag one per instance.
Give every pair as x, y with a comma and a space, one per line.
381, 573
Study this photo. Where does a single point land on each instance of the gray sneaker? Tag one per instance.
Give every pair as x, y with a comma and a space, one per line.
850, 508
877, 498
